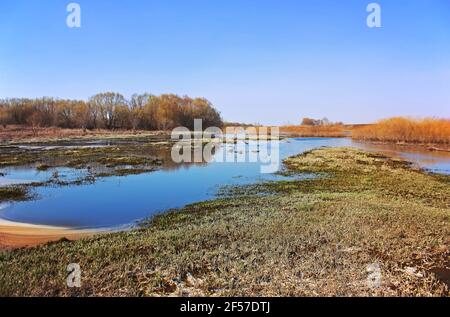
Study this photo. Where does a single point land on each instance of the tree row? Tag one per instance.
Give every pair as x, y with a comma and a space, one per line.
110, 111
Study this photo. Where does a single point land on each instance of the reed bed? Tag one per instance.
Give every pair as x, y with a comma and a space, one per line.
406, 130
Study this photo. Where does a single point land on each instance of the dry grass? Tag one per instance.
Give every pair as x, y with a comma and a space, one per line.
407, 130
303, 238
16, 133
315, 131
13, 193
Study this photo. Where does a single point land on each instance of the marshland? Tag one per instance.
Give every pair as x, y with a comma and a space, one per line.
301, 236
221, 176
141, 224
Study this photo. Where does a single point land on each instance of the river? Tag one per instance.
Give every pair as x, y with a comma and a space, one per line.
121, 201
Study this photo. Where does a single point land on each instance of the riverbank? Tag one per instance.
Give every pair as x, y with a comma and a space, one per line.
15, 235
353, 132
332, 131
23, 134
432, 147
368, 226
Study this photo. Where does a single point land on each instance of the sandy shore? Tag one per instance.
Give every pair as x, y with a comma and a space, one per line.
17, 235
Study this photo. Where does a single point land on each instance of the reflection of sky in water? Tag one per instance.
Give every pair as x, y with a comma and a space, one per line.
435, 161
26, 175
116, 201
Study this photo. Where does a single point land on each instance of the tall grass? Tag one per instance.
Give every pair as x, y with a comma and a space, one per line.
407, 130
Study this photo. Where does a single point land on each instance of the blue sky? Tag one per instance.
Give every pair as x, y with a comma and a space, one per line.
263, 61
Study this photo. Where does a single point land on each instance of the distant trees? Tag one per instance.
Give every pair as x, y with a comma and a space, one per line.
113, 110
110, 111
4, 116
318, 122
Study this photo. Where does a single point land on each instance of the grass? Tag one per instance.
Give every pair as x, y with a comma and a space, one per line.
120, 155
407, 130
13, 193
141, 156
301, 238
20, 133
316, 131
129, 160
131, 171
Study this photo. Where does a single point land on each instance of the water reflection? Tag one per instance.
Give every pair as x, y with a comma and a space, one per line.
116, 201
434, 161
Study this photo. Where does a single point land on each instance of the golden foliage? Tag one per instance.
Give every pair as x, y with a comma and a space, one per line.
407, 130
111, 111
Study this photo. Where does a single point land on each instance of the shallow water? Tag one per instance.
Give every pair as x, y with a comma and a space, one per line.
433, 161
27, 175
119, 201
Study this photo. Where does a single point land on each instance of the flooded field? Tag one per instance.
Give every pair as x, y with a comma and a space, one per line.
117, 201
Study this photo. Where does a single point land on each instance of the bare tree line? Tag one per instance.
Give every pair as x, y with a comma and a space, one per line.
319, 122
110, 111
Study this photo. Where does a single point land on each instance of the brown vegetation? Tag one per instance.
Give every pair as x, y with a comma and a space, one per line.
335, 130
406, 130
22, 133
109, 111
316, 128
319, 122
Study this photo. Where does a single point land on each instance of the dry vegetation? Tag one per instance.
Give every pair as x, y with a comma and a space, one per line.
13, 193
110, 111
315, 131
302, 238
406, 130
26, 134
316, 128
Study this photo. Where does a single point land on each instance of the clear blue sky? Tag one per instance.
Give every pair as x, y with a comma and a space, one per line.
263, 61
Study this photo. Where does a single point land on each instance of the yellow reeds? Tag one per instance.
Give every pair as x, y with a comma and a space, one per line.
406, 130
